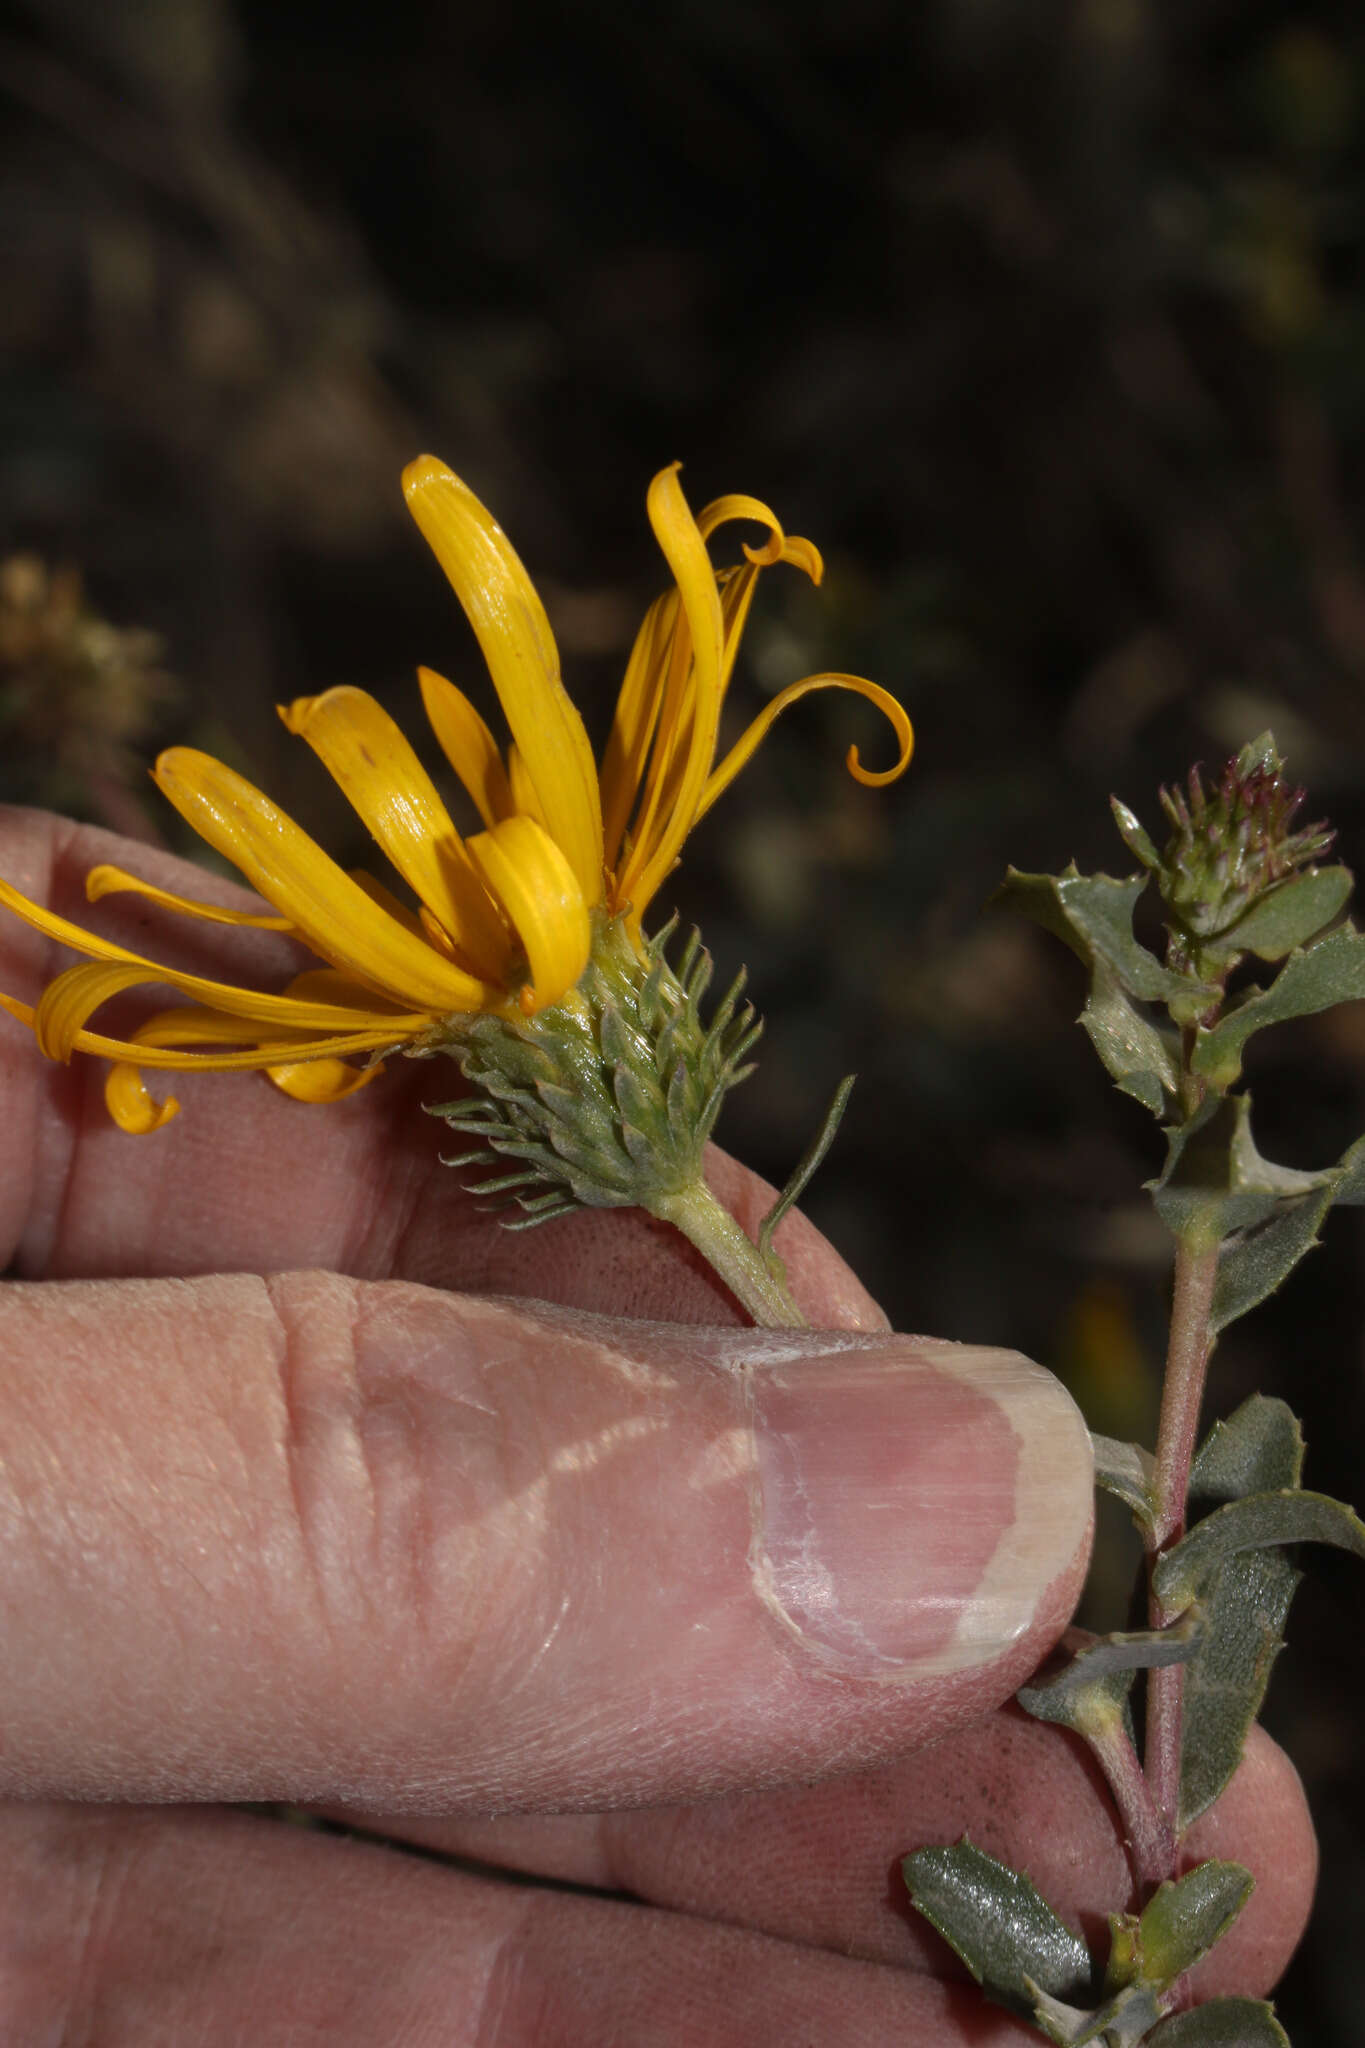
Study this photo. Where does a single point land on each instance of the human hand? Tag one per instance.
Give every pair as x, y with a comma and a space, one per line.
343, 1536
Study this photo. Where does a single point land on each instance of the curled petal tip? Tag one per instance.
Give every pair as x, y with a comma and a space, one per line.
770, 552
878, 778
133, 1106
803, 554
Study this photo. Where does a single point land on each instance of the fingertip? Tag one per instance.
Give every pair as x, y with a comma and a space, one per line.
1263, 1821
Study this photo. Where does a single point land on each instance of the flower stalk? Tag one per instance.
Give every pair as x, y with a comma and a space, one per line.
757, 1283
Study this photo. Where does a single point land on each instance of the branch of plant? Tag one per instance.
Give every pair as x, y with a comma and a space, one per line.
1148, 1833
1187, 1359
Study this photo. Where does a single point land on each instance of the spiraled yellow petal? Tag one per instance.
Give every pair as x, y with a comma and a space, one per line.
635, 719
59, 1018
290, 870
744, 748
127, 1097
60, 928
737, 506
803, 554
736, 596
737, 592
135, 1109
371, 760
543, 900
162, 1040
132, 1105
108, 880
514, 633
265, 1053
686, 741
467, 744
322, 1080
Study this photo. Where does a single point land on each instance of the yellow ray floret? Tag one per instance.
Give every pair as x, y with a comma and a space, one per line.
500, 922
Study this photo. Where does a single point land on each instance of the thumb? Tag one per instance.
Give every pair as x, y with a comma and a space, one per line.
311, 1537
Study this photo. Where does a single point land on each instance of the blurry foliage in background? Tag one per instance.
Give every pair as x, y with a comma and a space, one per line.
1046, 322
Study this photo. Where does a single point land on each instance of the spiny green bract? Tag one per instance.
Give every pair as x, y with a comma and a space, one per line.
607, 1099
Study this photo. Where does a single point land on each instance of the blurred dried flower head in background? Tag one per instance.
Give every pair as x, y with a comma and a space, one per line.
77, 694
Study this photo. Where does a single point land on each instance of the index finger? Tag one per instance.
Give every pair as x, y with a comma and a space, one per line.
247, 1180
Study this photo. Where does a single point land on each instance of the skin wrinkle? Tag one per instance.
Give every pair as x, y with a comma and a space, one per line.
106, 1885
408, 1449
501, 1972
291, 1445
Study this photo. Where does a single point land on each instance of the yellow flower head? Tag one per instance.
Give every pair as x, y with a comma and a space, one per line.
504, 918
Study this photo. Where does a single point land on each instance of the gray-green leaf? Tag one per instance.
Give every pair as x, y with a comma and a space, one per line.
1329, 972
1290, 914
1126, 1471
1222, 2023
1262, 1520
1259, 1449
1215, 1181
997, 1921
1244, 1610
1184, 1919
1093, 914
1259, 1261
1099, 1675
1143, 1059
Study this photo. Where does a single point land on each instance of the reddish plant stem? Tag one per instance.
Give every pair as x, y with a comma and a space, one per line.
1147, 1832
1187, 1360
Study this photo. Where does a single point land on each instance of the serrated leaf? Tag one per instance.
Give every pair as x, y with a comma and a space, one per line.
1143, 1059
999, 1924
1093, 914
1258, 1449
1290, 914
1222, 2023
1126, 1471
1185, 1917
1261, 1521
1329, 972
1215, 1181
1097, 1678
1350, 1182
1260, 1260
1245, 1610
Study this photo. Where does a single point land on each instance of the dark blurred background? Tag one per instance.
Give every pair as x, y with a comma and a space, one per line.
1046, 321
